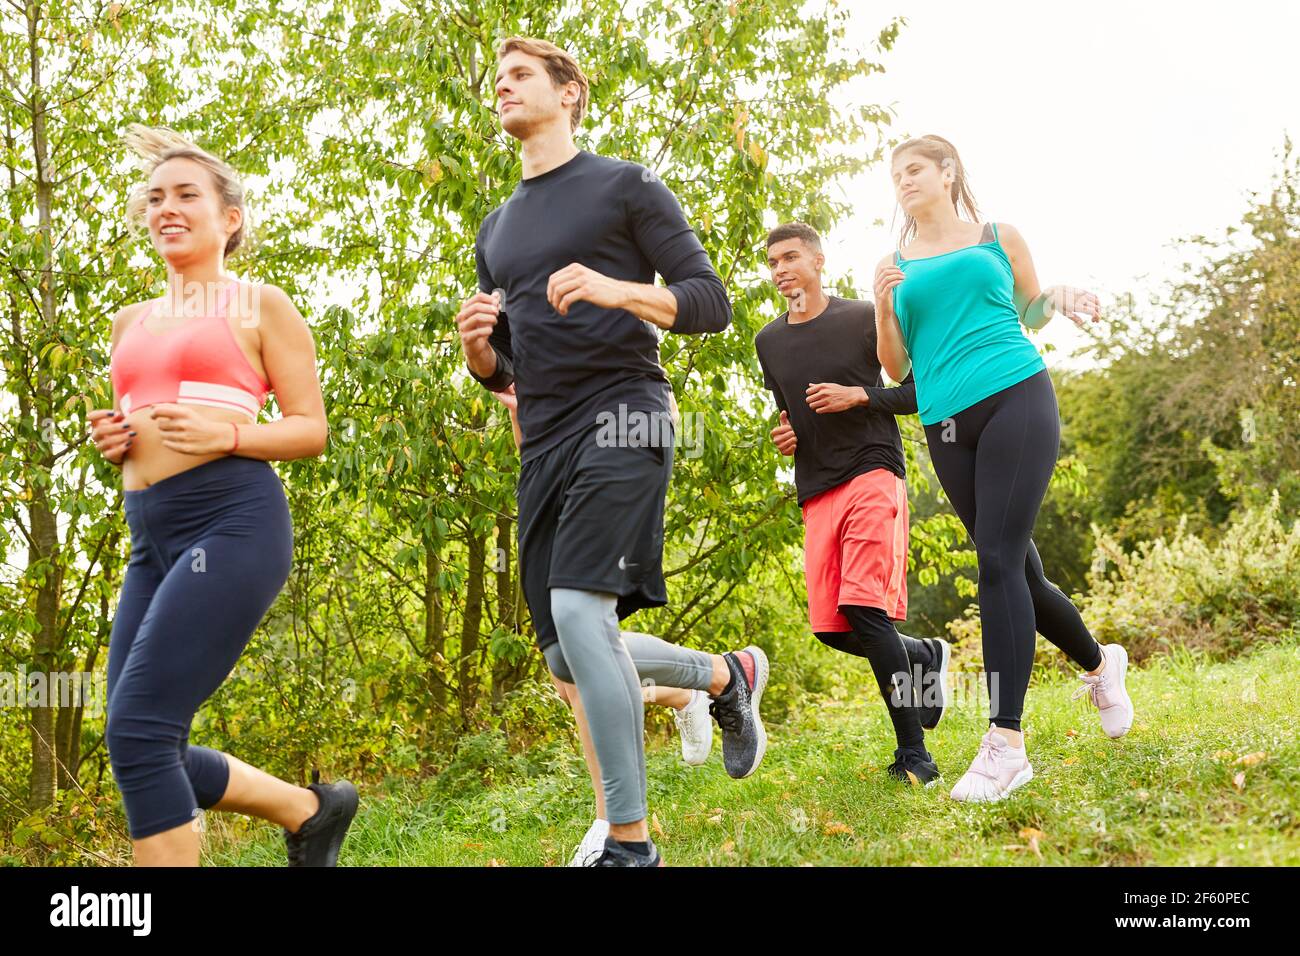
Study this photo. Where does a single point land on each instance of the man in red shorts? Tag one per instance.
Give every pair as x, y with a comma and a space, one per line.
837, 420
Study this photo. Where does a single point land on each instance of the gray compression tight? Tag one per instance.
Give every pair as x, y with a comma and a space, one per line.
607, 666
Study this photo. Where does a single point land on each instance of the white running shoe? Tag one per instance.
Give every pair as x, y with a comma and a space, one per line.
592, 845
1108, 694
696, 728
998, 769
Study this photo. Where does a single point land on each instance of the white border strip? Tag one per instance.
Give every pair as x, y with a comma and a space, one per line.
218, 396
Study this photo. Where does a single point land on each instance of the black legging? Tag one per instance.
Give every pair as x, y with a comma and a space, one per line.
994, 461
890, 653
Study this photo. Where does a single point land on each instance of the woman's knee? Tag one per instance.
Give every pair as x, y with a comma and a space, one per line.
996, 568
117, 734
140, 744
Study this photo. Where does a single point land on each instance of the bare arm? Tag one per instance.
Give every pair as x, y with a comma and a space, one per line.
783, 436
890, 346
108, 429
577, 283
485, 340
1033, 305
289, 356
694, 299
508, 398
1036, 305
484, 326
654, 303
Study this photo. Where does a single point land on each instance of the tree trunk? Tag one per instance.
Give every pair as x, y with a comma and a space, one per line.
506, 675
70, 718
43, 553
467, 686
435, 628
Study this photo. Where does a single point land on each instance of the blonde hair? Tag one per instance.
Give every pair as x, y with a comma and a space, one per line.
944, 155
157, 144
560, 65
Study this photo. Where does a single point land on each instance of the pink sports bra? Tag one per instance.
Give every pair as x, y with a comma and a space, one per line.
196, 363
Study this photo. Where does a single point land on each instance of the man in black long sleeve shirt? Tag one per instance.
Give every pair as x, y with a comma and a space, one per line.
819, 361
566, 303
616, 219
834, 352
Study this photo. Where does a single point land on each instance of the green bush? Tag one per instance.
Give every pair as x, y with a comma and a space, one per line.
1217, 596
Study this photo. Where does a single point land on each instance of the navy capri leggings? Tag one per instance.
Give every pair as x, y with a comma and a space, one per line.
210, 549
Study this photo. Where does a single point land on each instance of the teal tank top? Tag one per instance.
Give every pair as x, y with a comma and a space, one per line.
961, 328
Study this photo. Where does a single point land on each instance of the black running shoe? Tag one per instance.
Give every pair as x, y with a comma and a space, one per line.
616, 854
919, 762
744, 741
318, 840
932, 692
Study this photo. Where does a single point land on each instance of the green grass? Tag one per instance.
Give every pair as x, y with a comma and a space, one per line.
1164, 794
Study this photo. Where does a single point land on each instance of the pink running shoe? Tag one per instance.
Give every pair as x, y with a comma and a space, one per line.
1108, 693
998, 769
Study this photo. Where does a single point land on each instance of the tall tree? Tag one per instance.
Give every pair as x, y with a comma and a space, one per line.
368, 134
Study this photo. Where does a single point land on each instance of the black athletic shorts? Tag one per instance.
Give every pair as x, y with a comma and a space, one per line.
591, 518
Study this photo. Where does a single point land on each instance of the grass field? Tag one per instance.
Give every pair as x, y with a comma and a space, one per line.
1209, 774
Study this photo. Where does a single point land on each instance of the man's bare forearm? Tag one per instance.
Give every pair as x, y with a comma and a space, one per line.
514, 427
654, 303
483, 364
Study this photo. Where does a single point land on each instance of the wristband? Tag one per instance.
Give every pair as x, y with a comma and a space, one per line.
236, 446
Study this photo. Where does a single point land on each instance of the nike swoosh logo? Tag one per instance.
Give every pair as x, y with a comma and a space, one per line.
623, 565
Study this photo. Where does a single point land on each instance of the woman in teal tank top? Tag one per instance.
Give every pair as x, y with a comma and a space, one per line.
950, 304
974, 347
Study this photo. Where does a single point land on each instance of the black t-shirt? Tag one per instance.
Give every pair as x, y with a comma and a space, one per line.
837, 346
619, 219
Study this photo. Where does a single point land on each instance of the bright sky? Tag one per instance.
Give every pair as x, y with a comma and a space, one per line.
1103, 130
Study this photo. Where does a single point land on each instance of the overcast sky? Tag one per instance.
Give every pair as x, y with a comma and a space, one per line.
1103, 130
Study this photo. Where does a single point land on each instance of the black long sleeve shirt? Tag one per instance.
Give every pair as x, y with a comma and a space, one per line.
619, 219
838, 346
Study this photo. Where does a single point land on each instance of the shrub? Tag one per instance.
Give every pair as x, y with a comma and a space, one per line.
1218, 597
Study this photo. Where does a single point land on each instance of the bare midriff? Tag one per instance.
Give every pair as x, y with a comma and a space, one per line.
148, 461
